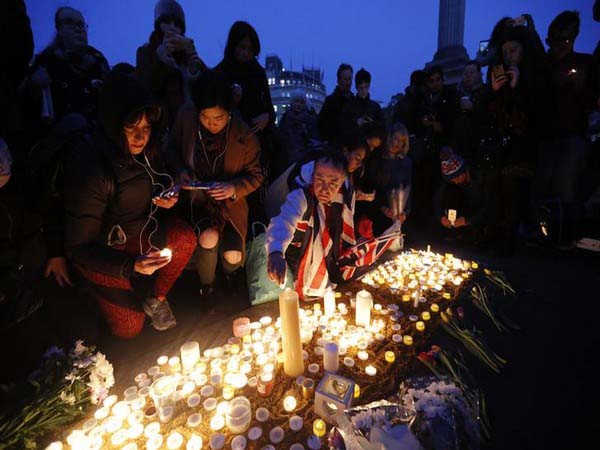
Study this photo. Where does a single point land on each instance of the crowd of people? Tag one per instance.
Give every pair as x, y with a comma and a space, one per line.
114, 180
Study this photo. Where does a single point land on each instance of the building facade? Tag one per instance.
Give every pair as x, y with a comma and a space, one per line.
284, 84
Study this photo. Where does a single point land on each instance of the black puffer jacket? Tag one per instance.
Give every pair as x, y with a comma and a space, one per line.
109, 192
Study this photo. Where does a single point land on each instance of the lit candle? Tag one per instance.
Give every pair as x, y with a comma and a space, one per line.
166, 253
118, 438
165, 414
162, 360
364, 303
407, 340
329, 302
293, 364
331, 357
425, 315
174, 364
405, 297
446, 295
190, 355
356, 391
210, 404
174, 441
217, 422
151, 429
313, 368
420, 325
371, 370
56, 445
474, 265
241, 327
348, 362
435, 307
289, 403
154, 442
390, 356
194, 443
319, 428
194, 420
228, 392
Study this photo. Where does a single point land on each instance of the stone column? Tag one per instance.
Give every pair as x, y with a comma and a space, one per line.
451, 23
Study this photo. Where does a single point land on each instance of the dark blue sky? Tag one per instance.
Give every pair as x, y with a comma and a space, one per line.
390, 38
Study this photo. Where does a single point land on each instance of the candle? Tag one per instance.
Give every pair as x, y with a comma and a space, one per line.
174, 441
319, 427
314, 443
435, 307
217, 441
276, 435
174, 364
407, 340
293, 364
112, 399
371, 370
223, 407
446, 295
241, 327
217, 422
308, 389
405, 297
331, 357
348, 362
264, 384
165, 414
296, 423
118, 438
239, 415
262, 414
194, 443
390, 357
289, 403
356, 391
474, 265
162, 360
194, 420
193, 400
154, 442
425, 315
101, 413
239, 442
121, 410
190, 355
151, 429
329, 302
363, 355
254, 433
364, 303
228, 392
210, 404
207, 391
313, 368
420, 325
166, 253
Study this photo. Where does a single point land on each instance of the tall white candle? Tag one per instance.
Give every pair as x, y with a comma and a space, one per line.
331, 357
329, 302
289, 307
190, 355
364, 303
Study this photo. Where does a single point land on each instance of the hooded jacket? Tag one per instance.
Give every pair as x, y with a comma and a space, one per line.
109, 191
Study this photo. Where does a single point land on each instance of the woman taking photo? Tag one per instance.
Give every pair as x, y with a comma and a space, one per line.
213, 146
117, 194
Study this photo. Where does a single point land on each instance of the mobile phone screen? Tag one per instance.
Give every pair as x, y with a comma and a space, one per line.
483, 46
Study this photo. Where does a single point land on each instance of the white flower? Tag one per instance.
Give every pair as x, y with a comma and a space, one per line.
101, 378
79, 348
69, 399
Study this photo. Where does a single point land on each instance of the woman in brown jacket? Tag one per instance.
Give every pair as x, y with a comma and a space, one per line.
217, 157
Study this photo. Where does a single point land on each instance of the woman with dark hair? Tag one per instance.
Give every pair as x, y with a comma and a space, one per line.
519, 108
249, 87
116, 228
212, 144
168, 62
66, 75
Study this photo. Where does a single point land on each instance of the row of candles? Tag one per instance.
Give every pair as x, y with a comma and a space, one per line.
249, 359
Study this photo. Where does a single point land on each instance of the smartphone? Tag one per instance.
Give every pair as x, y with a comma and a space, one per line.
483, 46
498, 71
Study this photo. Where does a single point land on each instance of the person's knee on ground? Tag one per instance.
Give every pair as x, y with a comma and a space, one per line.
208, 239
123, 322
232, 260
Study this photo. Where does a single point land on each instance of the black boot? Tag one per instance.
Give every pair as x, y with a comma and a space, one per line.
208, 298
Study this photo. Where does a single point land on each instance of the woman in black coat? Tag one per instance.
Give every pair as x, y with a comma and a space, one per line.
116, 192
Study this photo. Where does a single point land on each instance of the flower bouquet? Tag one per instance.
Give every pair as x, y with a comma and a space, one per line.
56, 394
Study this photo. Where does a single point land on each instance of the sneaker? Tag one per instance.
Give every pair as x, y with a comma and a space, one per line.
160, 313
208, 297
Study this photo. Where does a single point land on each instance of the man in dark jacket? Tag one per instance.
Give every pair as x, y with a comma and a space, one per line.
361, 110
460, 199
574, 82
330, 116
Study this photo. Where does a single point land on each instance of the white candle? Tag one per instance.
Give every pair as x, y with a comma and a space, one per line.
293, 364
276, 435
154, 442
152, 429
363, 355
217, 422
190, 355
166, 252
289, 403
174, 441
329, 302
296, 423
254, 433
194, 442
217, 441
371, 371
331, 357
364, 303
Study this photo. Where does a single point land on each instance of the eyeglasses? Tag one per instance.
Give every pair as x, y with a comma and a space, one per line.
70, 23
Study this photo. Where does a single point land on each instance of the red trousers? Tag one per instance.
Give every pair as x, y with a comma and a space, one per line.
126, 321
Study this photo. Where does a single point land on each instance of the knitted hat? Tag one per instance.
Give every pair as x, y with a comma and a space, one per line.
452, 164
169, 8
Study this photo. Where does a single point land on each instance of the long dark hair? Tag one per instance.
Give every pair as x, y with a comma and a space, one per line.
238, 31
153, 116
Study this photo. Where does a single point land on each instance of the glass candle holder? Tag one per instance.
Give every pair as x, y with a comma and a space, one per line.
239, 415
319, 428
190, 355
162, 392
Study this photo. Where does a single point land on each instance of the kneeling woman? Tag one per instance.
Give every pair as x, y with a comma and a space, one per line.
116, 197
212, 145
